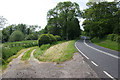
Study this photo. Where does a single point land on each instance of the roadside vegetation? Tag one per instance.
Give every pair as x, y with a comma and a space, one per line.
111, 42
56, 40
56, 53
27, 54
101, 24
11, 50
6, 62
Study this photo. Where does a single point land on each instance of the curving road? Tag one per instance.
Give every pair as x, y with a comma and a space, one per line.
104, 61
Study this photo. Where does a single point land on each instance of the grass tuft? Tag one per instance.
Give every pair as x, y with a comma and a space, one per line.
106, 43
56, 53
26, 55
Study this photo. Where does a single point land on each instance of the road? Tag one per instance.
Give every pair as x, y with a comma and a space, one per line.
103, 60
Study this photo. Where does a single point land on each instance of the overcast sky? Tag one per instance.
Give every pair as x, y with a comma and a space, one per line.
31, 12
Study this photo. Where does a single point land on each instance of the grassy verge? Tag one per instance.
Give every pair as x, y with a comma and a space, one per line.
4, 66
107, 44
26, 55
56, 53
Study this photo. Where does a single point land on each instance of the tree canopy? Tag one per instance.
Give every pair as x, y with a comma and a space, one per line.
63, 21
102, 18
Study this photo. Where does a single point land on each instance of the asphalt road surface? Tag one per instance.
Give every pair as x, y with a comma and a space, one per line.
104, 61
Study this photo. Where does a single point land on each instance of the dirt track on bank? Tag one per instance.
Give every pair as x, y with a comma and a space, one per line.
74, 68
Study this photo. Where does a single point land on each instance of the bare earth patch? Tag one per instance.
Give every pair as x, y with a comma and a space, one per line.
75, 68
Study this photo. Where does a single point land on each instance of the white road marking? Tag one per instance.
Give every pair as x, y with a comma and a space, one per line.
81, 51
101, 51
94, 63
109, 75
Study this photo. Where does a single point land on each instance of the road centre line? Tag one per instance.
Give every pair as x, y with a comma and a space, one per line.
109, 75
81, 51
94, 63
101, 51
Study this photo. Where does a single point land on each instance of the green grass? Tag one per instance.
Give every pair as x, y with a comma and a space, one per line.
28, 41
4, 66
10, 49
27, 54
56, 53
107, 44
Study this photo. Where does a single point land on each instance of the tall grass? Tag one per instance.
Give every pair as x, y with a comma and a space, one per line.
27, 54
56, 53
10, 49
106, 43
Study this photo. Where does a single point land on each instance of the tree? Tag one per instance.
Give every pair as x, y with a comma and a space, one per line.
22, 28
16, 36
2, 22
5, 36
43, 39
100, 19
59, 18
30, 37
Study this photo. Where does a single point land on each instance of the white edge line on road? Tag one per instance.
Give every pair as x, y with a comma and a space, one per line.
109, 75
94, 63
81, 51
100, 50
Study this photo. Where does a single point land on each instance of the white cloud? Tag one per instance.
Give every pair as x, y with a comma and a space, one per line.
32, 12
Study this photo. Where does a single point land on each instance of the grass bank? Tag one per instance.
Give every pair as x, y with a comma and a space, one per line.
106, 43
5, 63
10, 49
56, 53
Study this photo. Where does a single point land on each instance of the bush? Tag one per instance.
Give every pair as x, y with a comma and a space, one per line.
95, 40
58, 38
43, 39
16, 36
45, 46
111, 37
9, 51
117, 38
52, 38
114, 37
30, 37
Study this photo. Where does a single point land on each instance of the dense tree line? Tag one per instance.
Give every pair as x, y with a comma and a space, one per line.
19, 32
101, 19
63, 21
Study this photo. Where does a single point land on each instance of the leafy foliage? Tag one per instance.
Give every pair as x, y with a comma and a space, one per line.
101, 19
48, 39
52, 38
43, 39
11, 48
16, 36
44, 46
62, 20
25, 29
114, 37
30, 37
58, 38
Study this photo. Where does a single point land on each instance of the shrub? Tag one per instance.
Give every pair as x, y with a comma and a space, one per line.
30, 37
58, 38
16, 36
111, 37
9, 51
114, 37
52, 38
45, 46
117, 38
95, 40
43, 39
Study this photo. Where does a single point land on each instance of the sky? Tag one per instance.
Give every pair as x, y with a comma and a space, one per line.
32, 12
